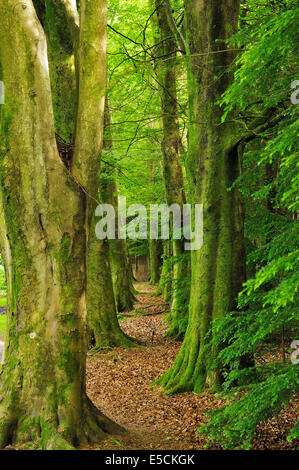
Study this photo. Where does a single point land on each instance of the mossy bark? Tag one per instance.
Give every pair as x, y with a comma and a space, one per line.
165, 283
153, 245
213, 164
43, 401
103, 325
178, 316
172, 170
154, 262
122, 275
62, 44
104, 328
120, 266
102, 318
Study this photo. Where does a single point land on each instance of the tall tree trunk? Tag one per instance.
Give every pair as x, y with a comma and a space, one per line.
154, 262
104, 328
218, 268
165, 283
103, 325
43, 238
154, 254
119, 258
172, 171
121, 270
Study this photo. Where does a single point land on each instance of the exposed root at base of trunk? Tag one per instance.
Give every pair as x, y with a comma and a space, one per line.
126, 303
185, 374
110, 342
175, 332
46, 432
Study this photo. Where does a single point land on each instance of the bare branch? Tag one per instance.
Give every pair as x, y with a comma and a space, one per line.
174, 28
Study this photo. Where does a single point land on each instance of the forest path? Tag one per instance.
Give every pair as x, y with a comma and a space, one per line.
119, 382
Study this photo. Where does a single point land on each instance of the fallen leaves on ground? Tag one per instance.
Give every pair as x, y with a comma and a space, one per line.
119, 383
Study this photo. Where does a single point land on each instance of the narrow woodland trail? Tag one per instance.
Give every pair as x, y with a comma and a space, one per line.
119, 380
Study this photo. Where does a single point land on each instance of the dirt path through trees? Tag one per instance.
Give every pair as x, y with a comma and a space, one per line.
118, 382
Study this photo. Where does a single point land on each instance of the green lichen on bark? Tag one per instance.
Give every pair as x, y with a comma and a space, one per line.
43, 401
108, 278
172, 170
218, 268
154, 262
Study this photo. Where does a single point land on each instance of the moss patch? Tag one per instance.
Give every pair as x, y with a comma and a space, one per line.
3, 301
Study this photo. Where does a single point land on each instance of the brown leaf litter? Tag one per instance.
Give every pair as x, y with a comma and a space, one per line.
119, 383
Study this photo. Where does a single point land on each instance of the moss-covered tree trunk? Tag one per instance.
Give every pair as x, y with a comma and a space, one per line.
218, 268
103, 298
172, 171
165, 282
119, 258
103, 325
154, 262
43, 401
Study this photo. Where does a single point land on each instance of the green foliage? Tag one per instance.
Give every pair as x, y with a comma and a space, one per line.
259, 102
135, 107
2, 325
2, 278
269, 303
269, 37
134, 101
234, 426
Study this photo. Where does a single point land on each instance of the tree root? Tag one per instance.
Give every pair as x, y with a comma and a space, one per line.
48, 432
184, 375
112, 341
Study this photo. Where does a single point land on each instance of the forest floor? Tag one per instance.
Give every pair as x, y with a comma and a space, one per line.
119, 383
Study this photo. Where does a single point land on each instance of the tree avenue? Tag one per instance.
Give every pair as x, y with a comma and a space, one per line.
149, 225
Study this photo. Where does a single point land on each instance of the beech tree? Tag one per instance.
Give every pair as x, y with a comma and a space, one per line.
102, 309
45, 214
235, 151
213, 163
105, 295
119, 257
172, 170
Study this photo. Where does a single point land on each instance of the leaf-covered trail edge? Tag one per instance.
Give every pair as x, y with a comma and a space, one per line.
118, 382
